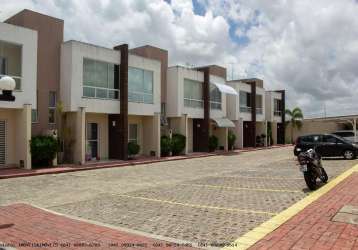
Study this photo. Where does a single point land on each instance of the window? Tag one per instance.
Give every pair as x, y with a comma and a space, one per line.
52, 107
193, 94
98, 79
3, 66
258, 101
215, 97
277, 107
11, 61
329, 139
34, 116
133, 133
245, 102
140, 85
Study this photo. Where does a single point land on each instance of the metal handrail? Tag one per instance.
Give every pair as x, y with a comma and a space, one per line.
101, 88
142, 95
188, 103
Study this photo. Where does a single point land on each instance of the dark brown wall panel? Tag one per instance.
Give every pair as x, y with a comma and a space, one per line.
123, 92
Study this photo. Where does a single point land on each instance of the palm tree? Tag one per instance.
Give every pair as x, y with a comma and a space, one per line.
295, 118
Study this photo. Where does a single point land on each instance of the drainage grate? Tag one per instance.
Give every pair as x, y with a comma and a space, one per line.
347, 214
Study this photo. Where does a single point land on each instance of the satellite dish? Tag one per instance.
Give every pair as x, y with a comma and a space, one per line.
7, 83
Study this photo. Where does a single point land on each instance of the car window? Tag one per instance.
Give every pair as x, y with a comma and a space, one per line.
316, 138
345, 134
306, 139
329, 138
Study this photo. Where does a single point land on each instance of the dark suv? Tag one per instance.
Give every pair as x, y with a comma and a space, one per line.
327, 145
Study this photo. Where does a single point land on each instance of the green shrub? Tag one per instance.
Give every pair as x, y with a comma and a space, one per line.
178, 144
213, 143
43, 150
231, 138
165, 145
133, 149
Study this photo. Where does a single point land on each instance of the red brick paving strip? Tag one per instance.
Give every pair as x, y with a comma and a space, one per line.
21, 223
312, 228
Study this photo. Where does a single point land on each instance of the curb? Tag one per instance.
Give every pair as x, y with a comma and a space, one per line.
255, 235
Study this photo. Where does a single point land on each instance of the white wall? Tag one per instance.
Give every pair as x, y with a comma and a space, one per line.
269, 102
27, 39
72, 55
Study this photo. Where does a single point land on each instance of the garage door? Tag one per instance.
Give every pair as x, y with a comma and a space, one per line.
2, 142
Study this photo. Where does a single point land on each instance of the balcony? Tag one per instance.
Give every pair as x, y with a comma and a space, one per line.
100, 93
193, 103
140, 97
277, 113
215, 105
245, 109
259, 111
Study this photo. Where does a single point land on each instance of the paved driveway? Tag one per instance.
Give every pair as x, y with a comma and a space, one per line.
214, 199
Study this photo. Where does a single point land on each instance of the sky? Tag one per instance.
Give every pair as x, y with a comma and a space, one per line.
309, 48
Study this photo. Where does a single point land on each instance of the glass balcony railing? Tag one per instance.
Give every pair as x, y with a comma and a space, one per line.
215, 105
100, 93
140, 97
245, 109
259, 111
277, 113
193, 103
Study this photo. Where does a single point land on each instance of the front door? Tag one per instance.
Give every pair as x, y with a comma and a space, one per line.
2, 143
280, 133
199, 140
92, 140
249, 134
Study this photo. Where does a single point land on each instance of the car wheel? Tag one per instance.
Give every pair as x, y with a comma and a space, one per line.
348, 155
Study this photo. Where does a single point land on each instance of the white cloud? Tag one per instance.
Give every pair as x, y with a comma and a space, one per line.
307, 47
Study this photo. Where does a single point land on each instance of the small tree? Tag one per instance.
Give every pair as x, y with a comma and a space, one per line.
213, 143
43, 150
231, 138
133, 149
178, 144
295, 119
165, 145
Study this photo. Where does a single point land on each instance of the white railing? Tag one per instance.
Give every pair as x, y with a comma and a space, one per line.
100, 93
245, 109
193, 103
277, 113
215, 105
17, 80
140, 97
259, 111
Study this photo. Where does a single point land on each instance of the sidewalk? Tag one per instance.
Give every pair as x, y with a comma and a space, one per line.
17, 172
323, 224
25, 227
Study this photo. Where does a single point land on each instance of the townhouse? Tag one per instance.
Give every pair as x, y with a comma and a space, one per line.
18, 59
196, 105
98, 99
258, 114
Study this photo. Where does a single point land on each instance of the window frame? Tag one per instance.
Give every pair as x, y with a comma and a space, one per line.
133, 93
130, 127
52, 108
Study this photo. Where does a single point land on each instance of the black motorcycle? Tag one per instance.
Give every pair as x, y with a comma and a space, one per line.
311, 167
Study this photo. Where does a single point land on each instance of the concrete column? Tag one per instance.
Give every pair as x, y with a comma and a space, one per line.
226, 145
240, 137
80, 141
266, 138
26, 120
184, 131
274, 132
156, 133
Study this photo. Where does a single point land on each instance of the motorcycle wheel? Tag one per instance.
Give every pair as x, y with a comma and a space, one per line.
310, 180
324, 177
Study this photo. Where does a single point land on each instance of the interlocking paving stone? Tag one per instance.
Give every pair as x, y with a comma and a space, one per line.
107, 195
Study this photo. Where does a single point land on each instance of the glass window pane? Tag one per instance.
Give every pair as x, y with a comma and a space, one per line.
3, 64
148, 82
51, 115
135, 79
101, 74
89, 92
52, 99
89, 71
34, 117
111, 76
101, 93
133, 133
12, 54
